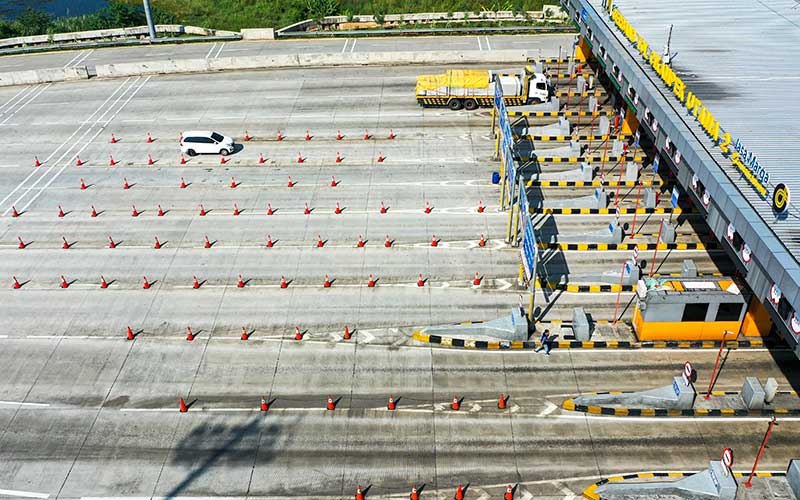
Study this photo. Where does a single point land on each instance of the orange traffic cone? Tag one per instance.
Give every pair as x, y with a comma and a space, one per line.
183, 160
145, 283
482, 242
183, 183
420, 281
434, 241
78, 161
338, 209
240, 283
207, 243
244, 336
306, 210
359, 493
270, 243
264, 404
347, 334
280, 137
160, 212
366, 135
501, 403
150, 159
247, 136
130, 334
83, 184
388, 242
113, 139
480, 207
65, 245
22, 244
338, 157
391, 134
331, 405
61, 211
459, 493
308, 136
36, 162
477, 280
189, 334
64, 283
392, 404
94, 212
222, 160
333, 182
290, 184
509, 493
202, 210
456, 404
134, 212
14, 212
327, 283
111, 161
320, 243
157, 244
339, 135
414, 493
103, 283
360, 243
427, 207
298, 335
195, 283
111, 243
150, 138
269, 209
380, 157
17, 284
183, 407
261, 159
236, 209
383, 208
371, 282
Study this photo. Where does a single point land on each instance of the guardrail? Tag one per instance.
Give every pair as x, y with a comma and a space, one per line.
567, 28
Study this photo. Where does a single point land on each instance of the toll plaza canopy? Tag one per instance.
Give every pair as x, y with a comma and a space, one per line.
722, 105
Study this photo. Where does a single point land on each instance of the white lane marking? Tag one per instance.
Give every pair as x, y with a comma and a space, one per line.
79, 61
211, 50
550, 408
219, 51
488, 46
25, 89
37, 93
353, 45
100, 129
21, 403
344, 48
73, 59
480, 47
23, 494
35, 169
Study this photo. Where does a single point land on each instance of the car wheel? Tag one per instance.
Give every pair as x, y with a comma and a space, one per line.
454, 104
191, 152
470, 105
224, 152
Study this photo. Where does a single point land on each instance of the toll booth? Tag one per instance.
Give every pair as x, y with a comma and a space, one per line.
690, 308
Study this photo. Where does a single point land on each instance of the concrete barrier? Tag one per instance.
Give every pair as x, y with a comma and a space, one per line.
282, 61
258, 34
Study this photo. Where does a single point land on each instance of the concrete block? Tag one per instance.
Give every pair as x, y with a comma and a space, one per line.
631, 171
770, 390
710, 483
668, 233
580, 324
793, 477
688, 269
675, 396
593, 104
258, 34
538, 67
513, 327
604, 126
723, 480
753, 394
601, 198
617, 147
587, 172
649, 198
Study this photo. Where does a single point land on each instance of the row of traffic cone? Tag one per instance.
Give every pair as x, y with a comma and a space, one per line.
280, 137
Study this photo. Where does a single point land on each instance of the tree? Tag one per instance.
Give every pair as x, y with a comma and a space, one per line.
32, 22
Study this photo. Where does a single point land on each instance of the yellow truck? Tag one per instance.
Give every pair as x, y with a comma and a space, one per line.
470, 88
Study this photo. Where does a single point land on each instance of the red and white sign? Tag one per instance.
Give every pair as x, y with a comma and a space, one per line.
747, 255
654, 126
795, 323
706, 199
694, 181
635, 253
775, 294
616, 211
667, 143
677, 157
727, 457
687, 372
731, 232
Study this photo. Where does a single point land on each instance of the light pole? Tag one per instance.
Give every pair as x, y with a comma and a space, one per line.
150, 26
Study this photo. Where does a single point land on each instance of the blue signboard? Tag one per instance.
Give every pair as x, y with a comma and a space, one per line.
583, 15
675, 195
523, 200
655, 164
636, 139
512, 174
529, 250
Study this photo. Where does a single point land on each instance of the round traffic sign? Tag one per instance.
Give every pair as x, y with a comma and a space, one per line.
747, 255
775, 294
694, 181
727, 457
687, 370
706, 199
677, 157
795, 323
730, 232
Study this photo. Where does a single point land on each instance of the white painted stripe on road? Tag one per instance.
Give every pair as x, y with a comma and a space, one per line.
220, 50
479, 42
73, 59
353, 45
488, 45
211, 50
345, 45
79, 61
21, 403
23, 494
36, 93
25, 89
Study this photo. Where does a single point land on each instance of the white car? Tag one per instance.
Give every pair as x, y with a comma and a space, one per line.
195, 142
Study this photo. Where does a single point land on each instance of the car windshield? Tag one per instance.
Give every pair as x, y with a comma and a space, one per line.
217, 137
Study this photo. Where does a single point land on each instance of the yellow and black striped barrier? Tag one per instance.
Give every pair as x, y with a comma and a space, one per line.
560, 113
569, 75
610, 211
597, 344
628, 246
548, 138
596, 93
565, 287
532, 183
552, 60
580, 159
570, 405
590, 493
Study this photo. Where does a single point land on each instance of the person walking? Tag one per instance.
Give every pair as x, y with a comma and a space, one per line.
545, 342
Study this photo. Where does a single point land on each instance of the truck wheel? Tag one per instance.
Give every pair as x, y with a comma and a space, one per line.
454, 104
470, 105
535, 100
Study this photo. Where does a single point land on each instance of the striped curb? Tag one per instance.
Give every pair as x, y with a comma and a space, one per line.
585, 288
590, 493
546, 138
561, 113
611, 211
600, 344
570, 405
580, 159
593, 183
628, 246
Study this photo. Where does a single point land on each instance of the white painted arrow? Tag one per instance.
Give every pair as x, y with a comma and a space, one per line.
482, 493
475, 408
365, 337
549, 408
514, 408
505, 285
525, 494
